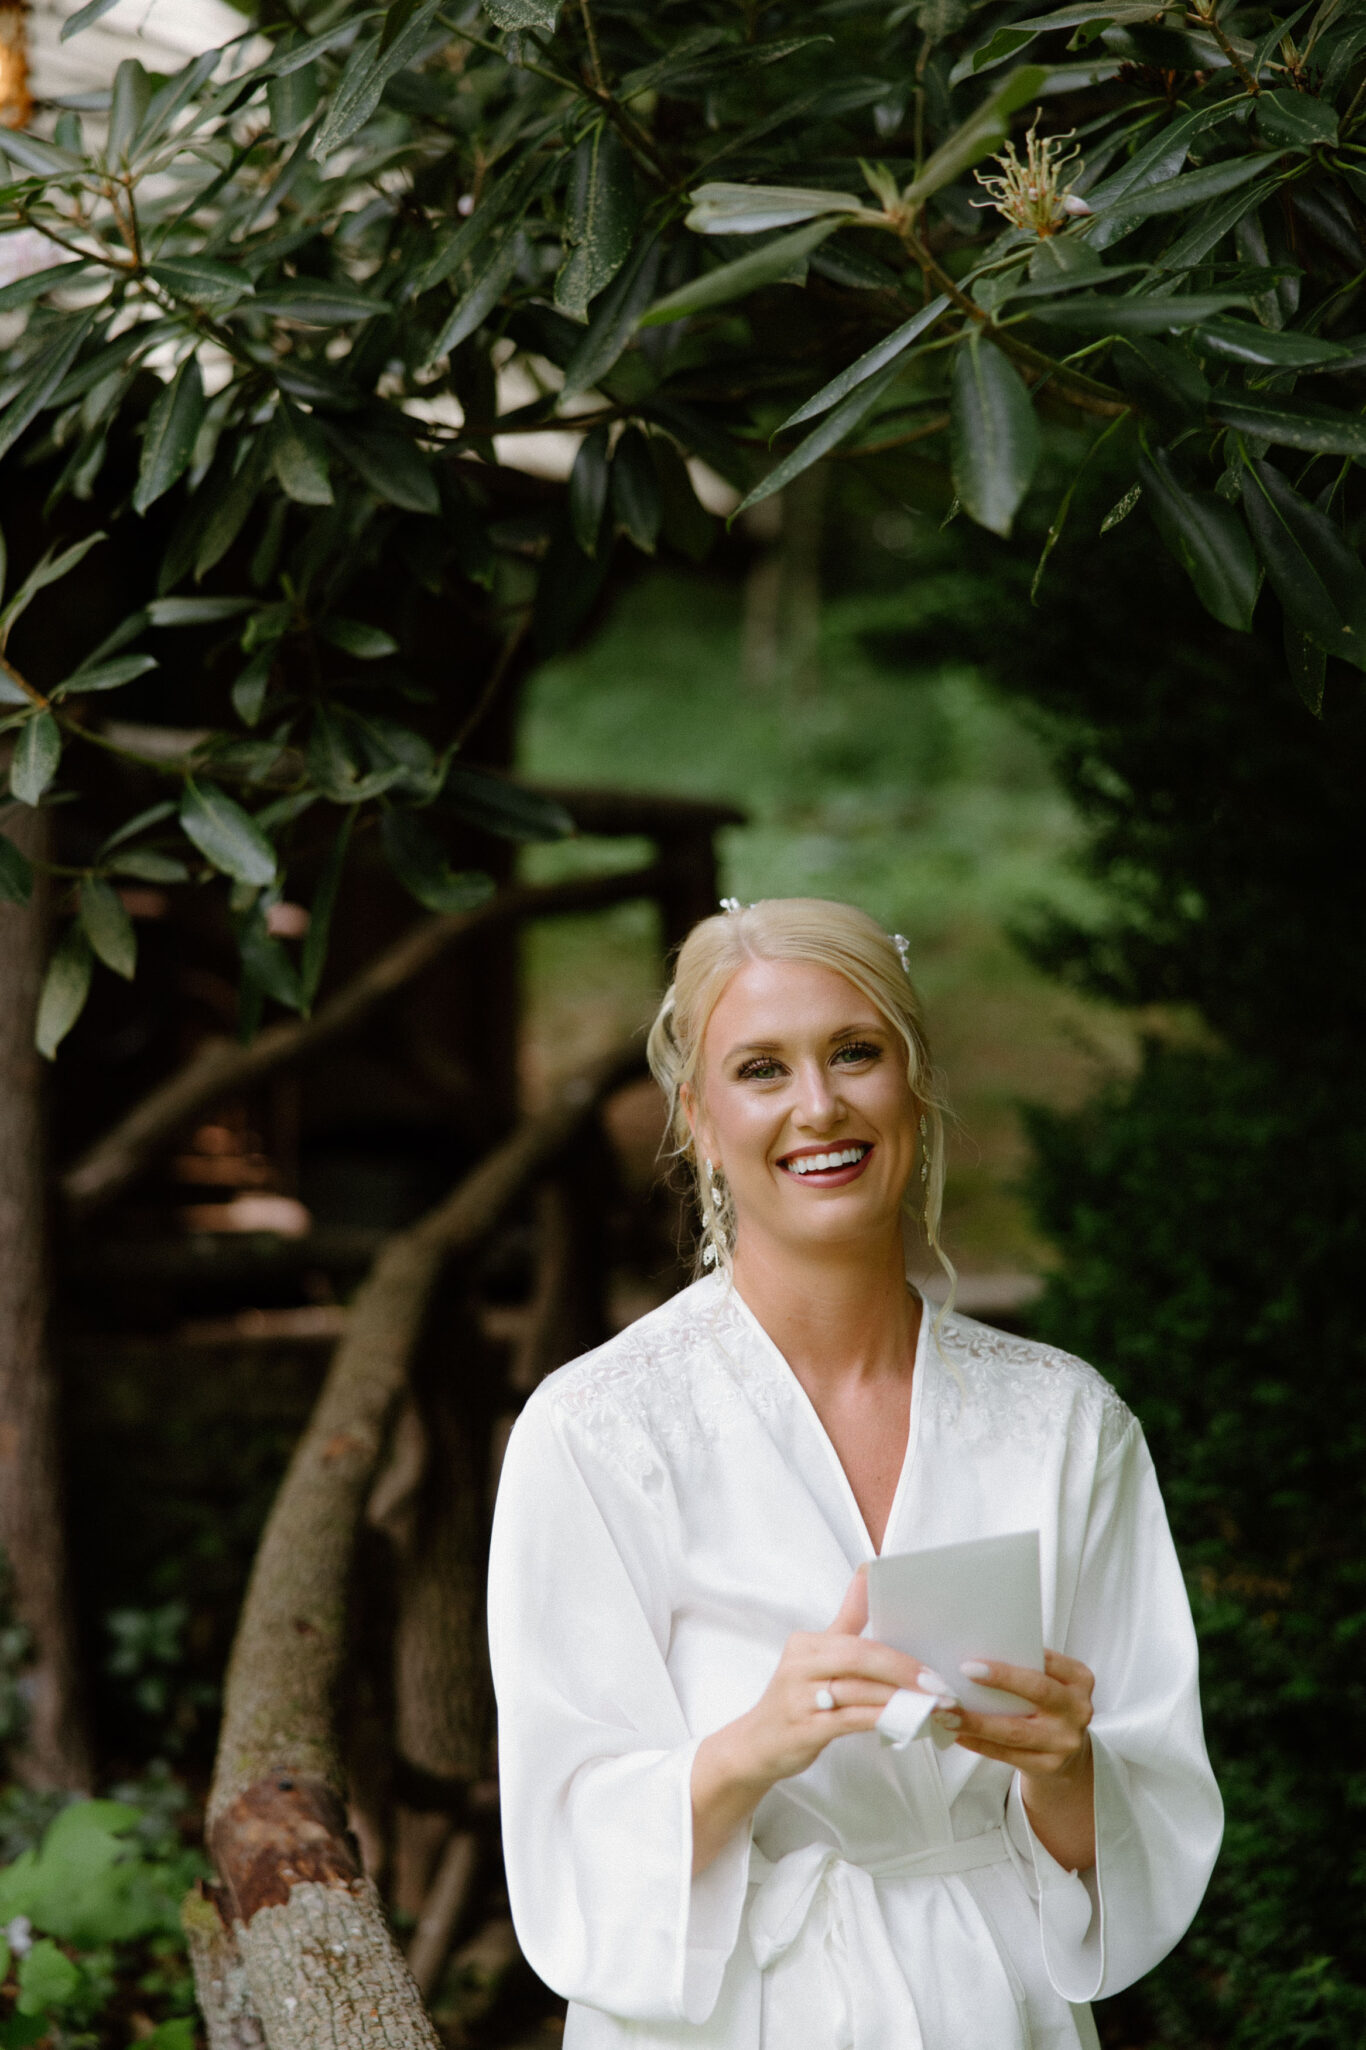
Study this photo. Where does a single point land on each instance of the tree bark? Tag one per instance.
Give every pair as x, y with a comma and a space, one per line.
55, 1750
318, 1961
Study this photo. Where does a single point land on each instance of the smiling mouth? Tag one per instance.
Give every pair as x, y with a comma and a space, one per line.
837, 1164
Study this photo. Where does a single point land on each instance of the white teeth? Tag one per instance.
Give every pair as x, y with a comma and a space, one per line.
819, 1163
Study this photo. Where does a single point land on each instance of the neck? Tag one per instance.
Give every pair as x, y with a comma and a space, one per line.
837, 1314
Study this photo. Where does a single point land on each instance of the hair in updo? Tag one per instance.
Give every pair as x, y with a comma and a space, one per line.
812, 929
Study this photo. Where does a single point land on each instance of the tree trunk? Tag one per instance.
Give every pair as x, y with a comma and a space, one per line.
54, 1750
318, 1961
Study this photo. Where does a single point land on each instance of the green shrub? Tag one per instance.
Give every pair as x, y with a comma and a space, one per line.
92, 1946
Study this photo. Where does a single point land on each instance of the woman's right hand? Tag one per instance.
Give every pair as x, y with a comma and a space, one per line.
786, 1730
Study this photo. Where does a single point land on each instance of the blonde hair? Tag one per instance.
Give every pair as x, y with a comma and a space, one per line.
832, 935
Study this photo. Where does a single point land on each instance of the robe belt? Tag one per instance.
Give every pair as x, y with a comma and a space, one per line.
852, 1970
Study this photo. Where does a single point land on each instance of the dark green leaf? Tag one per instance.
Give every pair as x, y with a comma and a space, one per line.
50, 569
154, 815
40, 159
249, 690
685, 523
498, 806
367, 72
1156, 162
839, 423
37, 753
313, 955
765, 266
1293, 423
226, 836
523, 14
1207, 538
25, 290
201, 280
65, 989
1242, 341
293, 99
1319, 580
296, 55
1174, 195
84, 16
614, 320
422, 865
42, 381
394, 467
16, 873
599, 217
129, 100
502, 207
635, 491
1308, 666
488, 279
1165, 379
148, 866
172, 429
588, 489
195, 611
315, 305
751, 209
888, 350
1215, 221
105, 675
1295, 120
1013, 36
982, 132
357, 637
266, 967
298, 454
994, 435
229, 508
108, 927
1092, 313
566, 591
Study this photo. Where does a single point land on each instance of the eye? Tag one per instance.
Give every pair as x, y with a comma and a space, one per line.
759, 1068
858, 1050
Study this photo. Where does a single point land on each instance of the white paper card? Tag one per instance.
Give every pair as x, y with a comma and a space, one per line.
977, 1600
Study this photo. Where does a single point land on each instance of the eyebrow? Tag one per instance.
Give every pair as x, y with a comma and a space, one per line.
749, 1046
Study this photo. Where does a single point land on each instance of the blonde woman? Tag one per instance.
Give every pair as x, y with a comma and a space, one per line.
708, 1842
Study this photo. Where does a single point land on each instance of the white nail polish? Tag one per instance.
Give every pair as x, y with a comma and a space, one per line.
975, 1669
929, 1682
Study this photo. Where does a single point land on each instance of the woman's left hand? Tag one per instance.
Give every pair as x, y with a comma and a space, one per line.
1049, 1748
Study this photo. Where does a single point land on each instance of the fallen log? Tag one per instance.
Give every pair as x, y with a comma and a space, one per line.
301, 1922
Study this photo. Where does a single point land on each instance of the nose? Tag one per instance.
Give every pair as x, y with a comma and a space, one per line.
818, 1107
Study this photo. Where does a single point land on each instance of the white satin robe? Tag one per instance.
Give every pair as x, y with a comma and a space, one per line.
670, 1509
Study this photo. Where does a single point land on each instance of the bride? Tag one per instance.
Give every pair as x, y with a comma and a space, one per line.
708, 1839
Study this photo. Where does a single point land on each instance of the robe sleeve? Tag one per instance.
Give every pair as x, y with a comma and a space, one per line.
1159, 1818
595, 1757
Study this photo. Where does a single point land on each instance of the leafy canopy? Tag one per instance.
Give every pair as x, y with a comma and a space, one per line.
297, 308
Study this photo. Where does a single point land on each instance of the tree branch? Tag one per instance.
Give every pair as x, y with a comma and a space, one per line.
222, 1067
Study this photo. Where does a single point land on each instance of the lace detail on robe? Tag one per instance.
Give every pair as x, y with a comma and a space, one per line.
669, 1386
1009, 1387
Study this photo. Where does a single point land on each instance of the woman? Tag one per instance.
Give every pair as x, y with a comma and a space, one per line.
707, 1840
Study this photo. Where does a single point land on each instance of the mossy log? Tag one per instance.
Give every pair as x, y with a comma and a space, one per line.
318, 1963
